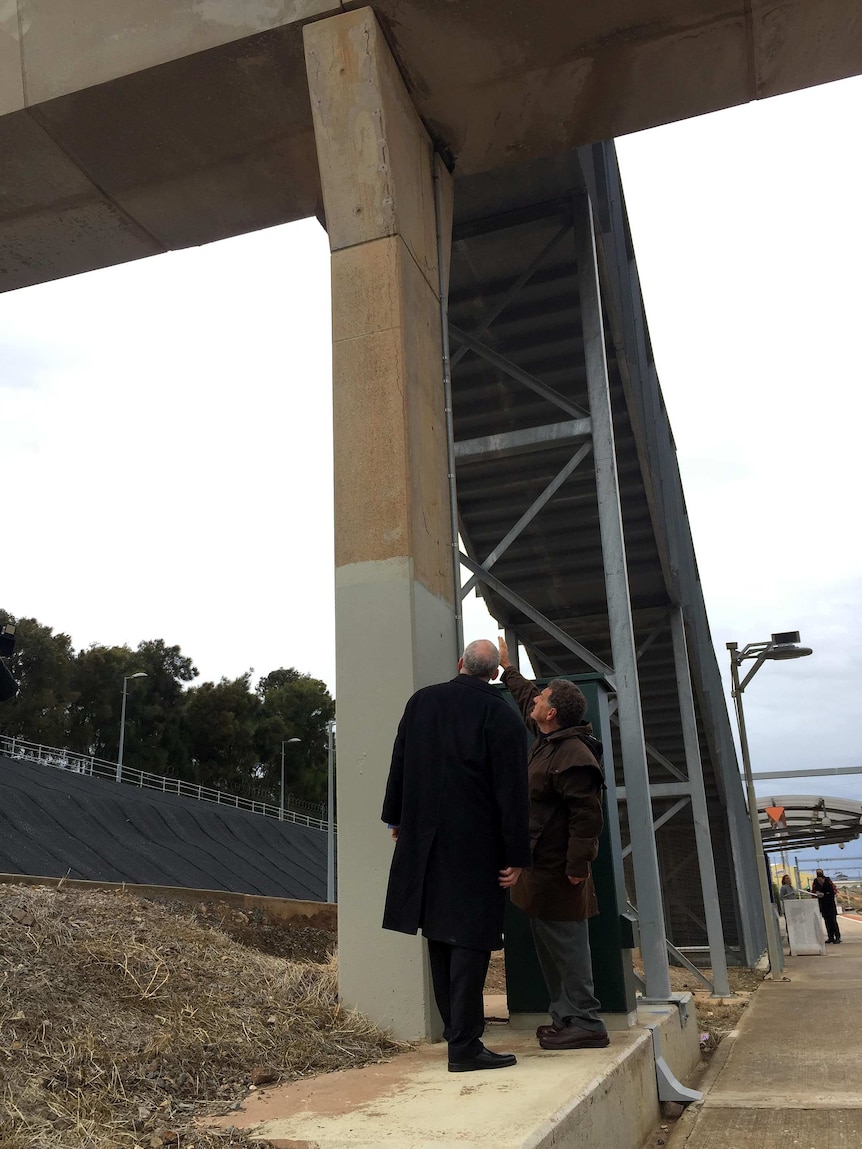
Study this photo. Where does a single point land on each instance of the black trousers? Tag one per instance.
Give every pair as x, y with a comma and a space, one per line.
830, 920
458, 975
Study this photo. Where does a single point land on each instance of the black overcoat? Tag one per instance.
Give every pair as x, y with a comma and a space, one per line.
458, 791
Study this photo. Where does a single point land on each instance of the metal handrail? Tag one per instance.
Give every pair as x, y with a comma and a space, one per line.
62, 759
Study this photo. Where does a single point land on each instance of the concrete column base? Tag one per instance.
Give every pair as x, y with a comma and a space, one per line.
391, 634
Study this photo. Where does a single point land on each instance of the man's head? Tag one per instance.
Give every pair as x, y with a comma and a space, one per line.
559, 705
480, 660
819, 873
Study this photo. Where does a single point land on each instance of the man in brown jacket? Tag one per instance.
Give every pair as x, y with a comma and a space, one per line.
557, 892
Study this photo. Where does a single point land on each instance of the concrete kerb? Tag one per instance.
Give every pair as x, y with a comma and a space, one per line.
589, 1099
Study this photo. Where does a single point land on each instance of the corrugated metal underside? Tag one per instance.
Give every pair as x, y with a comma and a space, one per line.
502, 223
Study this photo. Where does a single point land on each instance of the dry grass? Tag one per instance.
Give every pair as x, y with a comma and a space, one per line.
121, 1022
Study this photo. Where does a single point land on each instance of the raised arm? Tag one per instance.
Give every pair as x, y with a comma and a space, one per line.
522, 690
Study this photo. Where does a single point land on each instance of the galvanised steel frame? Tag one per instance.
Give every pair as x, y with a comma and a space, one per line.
586, 435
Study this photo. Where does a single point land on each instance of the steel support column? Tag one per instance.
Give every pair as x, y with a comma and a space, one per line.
703, 839
649, 894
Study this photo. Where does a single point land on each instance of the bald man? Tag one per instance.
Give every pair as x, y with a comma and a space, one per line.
457, 806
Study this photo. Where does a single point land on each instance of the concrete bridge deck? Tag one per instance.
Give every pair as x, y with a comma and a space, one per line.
139, 126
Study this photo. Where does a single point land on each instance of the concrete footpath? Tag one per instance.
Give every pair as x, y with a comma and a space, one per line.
789, 1078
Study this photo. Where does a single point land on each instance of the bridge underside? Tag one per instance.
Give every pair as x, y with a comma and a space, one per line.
137, 127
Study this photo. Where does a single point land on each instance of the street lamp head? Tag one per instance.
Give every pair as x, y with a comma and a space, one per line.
293, 739
138, 674
782, 646
785, 645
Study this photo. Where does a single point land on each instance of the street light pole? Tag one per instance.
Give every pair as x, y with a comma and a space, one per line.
138, 674
330, 814
775, 649
281, 802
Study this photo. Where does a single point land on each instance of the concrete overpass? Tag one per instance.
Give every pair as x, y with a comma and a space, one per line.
131, 127
430, 136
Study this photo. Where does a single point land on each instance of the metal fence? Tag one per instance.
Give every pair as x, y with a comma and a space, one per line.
100, 768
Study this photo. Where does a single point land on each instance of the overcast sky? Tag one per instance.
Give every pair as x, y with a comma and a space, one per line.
167, 448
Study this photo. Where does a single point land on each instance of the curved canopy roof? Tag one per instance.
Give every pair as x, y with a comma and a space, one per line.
808, 820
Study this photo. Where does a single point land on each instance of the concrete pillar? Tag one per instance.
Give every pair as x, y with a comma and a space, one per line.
395, 590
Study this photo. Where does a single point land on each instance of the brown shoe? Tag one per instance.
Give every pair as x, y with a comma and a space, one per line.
544, 1030
571, 1037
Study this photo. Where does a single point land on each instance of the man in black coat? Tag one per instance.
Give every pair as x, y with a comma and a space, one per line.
456, 803
824, 890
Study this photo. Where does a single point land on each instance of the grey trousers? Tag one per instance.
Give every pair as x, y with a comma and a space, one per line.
563, 950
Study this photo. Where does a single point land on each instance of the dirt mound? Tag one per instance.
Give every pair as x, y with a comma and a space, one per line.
122, 1022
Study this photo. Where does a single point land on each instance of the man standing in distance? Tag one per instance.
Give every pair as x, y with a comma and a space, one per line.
825, 891
557, 892
456, 803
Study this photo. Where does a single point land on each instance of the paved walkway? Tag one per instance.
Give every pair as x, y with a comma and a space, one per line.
792, 1077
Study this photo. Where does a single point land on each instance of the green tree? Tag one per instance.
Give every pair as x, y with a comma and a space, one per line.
220, 727
294, 705
97, 683
162, 745
41, 664
155, 730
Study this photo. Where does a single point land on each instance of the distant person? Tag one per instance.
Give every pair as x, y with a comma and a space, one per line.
786, 890
824, 890
456, 804
786, 893
557, 892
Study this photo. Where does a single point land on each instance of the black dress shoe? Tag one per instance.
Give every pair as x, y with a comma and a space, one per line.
484, 1060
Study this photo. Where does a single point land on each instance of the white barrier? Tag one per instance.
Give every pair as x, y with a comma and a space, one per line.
804, 927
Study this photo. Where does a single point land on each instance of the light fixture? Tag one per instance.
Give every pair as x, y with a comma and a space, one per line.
782, 645
126, 679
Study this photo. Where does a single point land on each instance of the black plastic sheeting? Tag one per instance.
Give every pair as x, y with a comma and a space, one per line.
55, 823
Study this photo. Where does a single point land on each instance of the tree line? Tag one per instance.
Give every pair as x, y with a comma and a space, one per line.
226, 734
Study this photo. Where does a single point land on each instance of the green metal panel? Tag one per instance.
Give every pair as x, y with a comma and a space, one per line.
611, 934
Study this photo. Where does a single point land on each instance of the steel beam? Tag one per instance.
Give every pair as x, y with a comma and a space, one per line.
660, 790
824, 773
657, 630
666, 817
522, 279
537, 617
513, 644
700, 813
636, 771
517, 373
531, 512
657, 756
520, 442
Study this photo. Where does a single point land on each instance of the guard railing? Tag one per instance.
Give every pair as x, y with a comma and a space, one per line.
94, 767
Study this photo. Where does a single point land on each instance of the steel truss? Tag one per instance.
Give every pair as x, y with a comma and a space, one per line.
588, 436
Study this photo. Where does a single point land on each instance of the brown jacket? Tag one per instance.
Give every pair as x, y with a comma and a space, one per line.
565, 782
